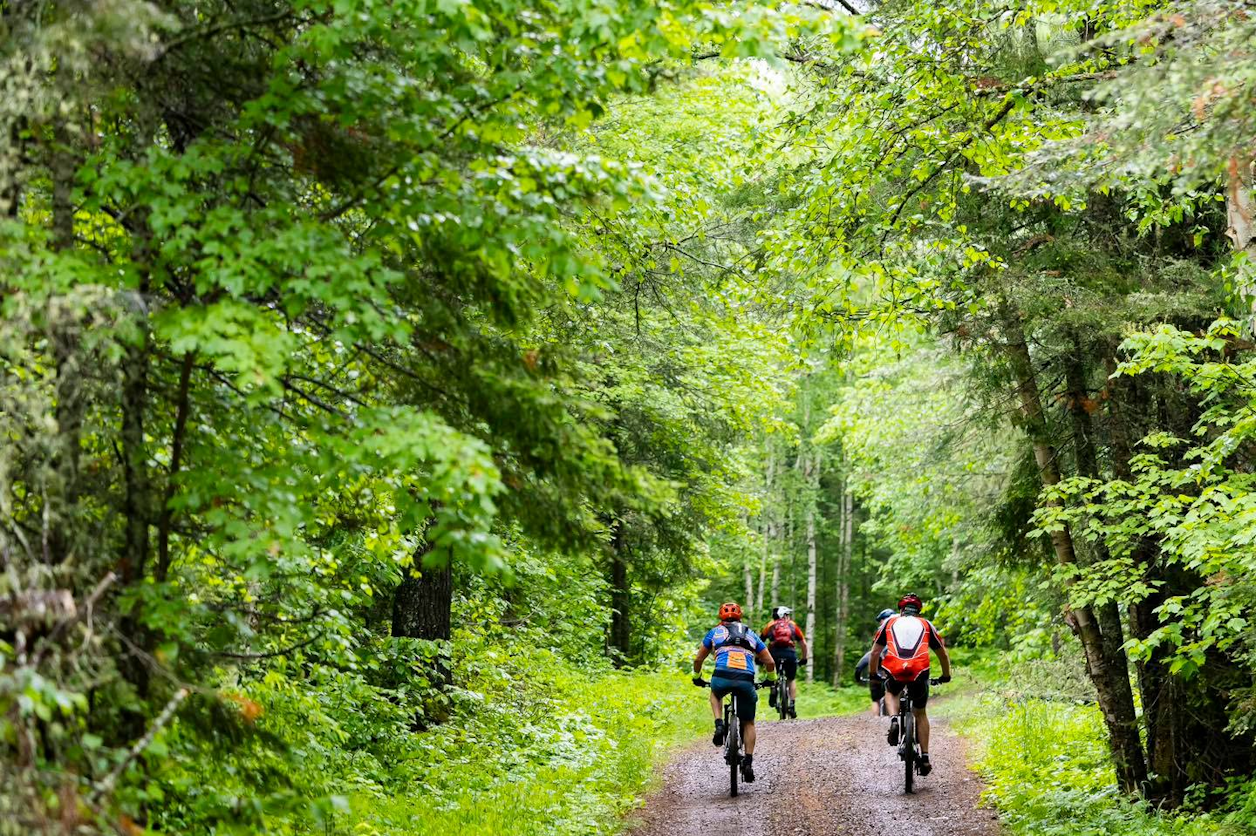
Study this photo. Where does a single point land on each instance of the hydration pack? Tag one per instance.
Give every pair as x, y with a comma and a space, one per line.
782, 633
738, 636
906, 653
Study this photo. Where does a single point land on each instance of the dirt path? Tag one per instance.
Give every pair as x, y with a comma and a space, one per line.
830, 777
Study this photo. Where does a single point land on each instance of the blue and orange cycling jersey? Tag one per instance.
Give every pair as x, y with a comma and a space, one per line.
732, 661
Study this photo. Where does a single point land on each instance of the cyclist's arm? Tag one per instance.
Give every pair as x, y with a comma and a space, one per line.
802, 641
944, 658
874, 659
763, 657
703, 652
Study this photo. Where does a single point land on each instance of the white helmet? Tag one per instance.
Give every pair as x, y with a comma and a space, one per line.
781, 612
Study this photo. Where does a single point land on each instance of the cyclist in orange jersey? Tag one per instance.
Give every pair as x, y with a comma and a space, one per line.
907, 639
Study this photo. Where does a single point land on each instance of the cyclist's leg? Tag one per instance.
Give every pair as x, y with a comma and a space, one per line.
787, 666
719, 689
919, 699
876, 690
892, 690
747, 700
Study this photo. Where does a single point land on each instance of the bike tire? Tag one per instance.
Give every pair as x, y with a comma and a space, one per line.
733, 755
909, 752
782, 697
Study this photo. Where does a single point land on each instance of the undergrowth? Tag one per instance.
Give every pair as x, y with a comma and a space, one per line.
572, 768
1039, 742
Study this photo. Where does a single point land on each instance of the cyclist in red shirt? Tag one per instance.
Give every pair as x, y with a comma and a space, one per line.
907, 639
780, 634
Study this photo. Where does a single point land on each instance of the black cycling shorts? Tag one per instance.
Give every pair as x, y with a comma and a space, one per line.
876, 687
918, 689
742, 690
786, 659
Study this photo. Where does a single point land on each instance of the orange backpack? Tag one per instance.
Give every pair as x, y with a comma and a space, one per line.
907, 646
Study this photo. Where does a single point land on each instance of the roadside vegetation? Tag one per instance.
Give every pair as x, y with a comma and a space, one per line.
1034, 735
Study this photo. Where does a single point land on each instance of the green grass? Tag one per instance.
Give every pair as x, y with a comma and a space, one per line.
1046, 762
818, 699
581, 765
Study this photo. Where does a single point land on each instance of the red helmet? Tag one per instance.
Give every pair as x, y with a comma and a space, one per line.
911, 599
730, 612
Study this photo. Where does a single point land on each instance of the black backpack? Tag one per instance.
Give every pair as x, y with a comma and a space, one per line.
738, 636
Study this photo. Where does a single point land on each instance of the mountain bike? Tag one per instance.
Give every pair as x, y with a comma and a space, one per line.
780, 689
734, 744
908, 741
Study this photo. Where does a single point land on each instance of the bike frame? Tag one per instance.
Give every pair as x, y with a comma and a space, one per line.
908, 741
782, 696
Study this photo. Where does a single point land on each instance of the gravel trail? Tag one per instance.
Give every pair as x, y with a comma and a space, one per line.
830, 777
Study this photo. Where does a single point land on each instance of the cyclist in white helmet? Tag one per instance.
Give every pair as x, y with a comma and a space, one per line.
780, 634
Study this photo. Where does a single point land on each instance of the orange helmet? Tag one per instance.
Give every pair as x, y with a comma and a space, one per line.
730, 612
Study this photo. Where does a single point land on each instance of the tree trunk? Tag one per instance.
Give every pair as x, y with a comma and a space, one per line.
422, 609
1240, 210
423, 602
748, 572
1080, 405
621, 600
811, 472
841, 549
776, 578
61, 527
843, 587
136, 506
763, 583
1153, 673
1109, 675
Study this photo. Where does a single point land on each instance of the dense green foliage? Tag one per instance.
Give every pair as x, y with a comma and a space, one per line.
390, 392
1039, 722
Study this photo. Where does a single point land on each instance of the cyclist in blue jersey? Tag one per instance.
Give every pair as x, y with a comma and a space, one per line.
736, 648
876, 685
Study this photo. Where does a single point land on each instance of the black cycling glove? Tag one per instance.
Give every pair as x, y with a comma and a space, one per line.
802, 663
946, 677
699, 681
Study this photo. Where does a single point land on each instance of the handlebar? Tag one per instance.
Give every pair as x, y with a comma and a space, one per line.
932, 681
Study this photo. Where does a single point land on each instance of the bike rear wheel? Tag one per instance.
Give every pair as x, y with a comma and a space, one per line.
782, 697
909, 752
